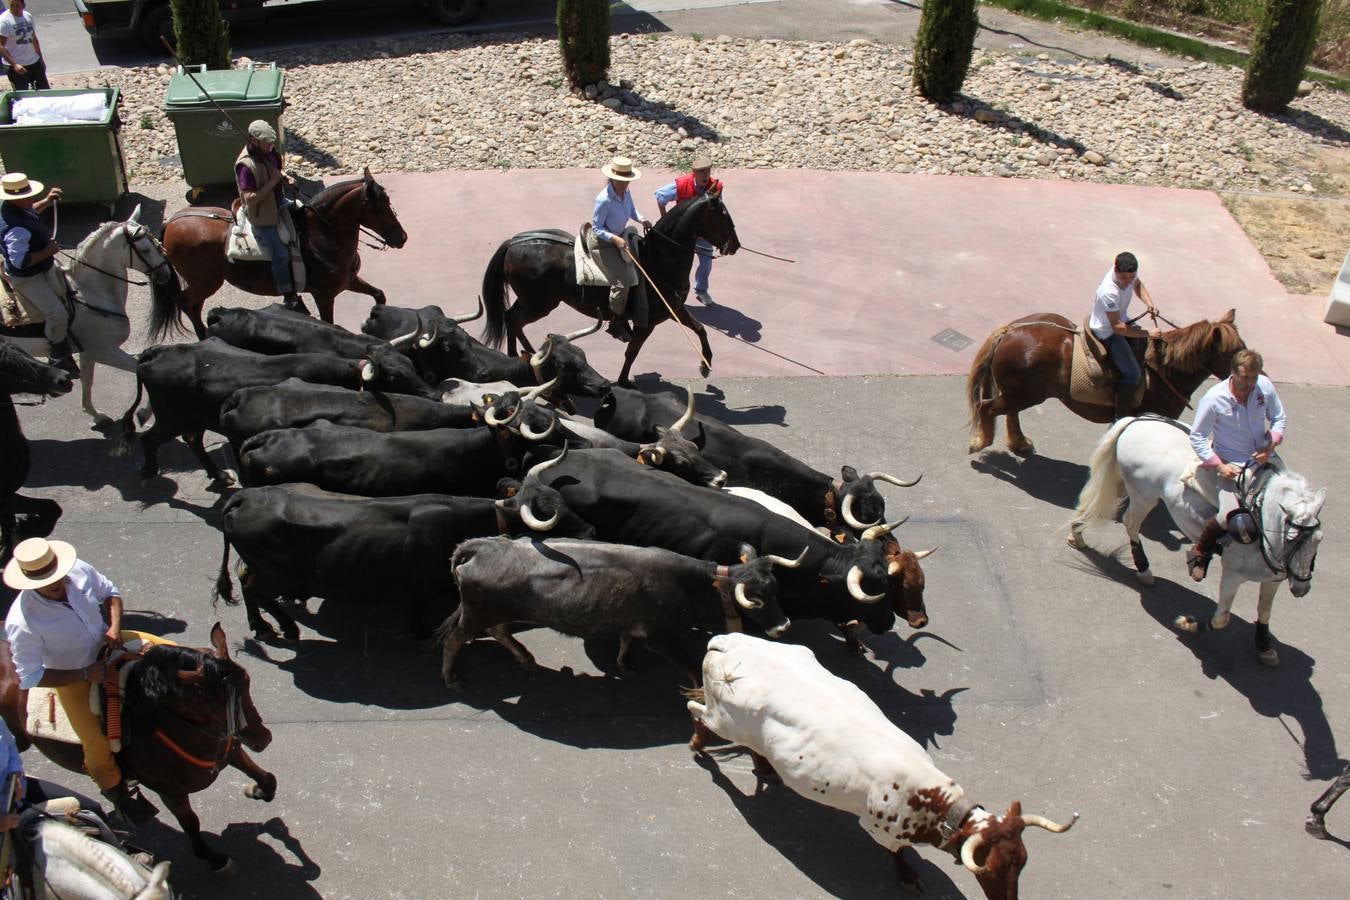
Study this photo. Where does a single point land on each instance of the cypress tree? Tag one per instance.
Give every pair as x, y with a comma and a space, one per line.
583, 37
201, 33
943, 47
1281, 48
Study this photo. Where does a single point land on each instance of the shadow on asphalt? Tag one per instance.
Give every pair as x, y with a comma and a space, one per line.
264, 872
1044, 478
711, 402
1229, 655
826, 845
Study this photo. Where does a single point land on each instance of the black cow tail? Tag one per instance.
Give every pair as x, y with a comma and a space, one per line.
451, 621
494, 297
127, 433
224, 586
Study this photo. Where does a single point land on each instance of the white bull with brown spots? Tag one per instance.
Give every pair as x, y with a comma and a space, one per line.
827, 741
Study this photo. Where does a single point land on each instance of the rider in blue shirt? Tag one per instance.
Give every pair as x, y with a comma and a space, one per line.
612, 212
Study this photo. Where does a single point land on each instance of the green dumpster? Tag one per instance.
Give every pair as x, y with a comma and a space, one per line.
207, 143
83, 158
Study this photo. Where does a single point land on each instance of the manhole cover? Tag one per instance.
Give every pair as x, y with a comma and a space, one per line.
952, 339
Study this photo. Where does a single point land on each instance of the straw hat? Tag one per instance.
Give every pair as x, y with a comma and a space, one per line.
620, 168
260, 131
18, 186
39, 562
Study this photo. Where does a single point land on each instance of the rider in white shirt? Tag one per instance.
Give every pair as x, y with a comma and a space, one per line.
1110, 323
1231, 432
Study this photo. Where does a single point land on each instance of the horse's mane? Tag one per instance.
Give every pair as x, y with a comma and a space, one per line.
1291, 483
155, 680
678, 214
330, 194
1188, 349
96, 235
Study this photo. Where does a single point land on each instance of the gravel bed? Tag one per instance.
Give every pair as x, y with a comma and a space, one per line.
499, 101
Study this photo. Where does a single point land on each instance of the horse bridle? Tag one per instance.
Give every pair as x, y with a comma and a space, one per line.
1279, 563
381, 243
234, 721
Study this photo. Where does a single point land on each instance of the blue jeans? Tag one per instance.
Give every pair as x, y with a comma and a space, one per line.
1122, 354
280, 253
704, 251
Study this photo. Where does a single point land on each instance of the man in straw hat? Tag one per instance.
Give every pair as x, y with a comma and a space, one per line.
258, 174
694, 184
57, 632
30, 260
613, 211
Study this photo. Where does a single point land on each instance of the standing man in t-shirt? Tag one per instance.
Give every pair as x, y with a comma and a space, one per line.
20, 48
1111, 325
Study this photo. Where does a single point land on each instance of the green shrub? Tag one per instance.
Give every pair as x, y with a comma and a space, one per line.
1281, 48
583, 37
943, 47
200, 33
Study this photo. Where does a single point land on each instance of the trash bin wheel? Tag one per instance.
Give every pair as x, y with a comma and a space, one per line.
454, 12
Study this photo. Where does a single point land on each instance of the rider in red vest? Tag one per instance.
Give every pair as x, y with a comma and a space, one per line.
683, 189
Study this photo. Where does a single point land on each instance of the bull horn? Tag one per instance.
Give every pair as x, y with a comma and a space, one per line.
460, 320
847, 512
541, 389
1043, 822
880, 531
968, 850
367, 371
539, 467
543, 353
490, 416
891, 479
406, 338
920, 554
743, 601
535, 523
855, 587
585, 331
194, 675
688, 413
430, 337
530, 434
788, 563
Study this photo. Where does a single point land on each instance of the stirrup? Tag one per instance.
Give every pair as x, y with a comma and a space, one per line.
1197, 564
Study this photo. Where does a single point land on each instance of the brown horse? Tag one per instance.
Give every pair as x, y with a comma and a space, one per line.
539, 267
186, 715
194, 241
1029, 360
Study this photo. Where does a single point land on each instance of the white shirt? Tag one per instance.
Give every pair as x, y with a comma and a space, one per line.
44, 634
1111, 298
19, 35
1238, 429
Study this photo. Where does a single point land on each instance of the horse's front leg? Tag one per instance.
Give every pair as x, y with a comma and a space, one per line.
109, 356
87, 384
1229, 583
1265, 647
686, 318
264, 786
181, 807
361, 286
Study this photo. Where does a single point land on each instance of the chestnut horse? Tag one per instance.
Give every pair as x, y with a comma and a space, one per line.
186, 715
539, 267
194, 241
1029, 360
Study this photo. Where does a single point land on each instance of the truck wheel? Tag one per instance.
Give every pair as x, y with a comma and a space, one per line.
454, 12
156, 22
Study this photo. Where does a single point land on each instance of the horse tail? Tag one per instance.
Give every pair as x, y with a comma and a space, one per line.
1106, 485
166, 306
494, 297
128, 429
980, 385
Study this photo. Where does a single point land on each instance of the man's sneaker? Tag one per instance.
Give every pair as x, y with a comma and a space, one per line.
705, 298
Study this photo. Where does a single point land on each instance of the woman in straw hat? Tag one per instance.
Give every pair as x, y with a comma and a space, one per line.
30, 260
57, 633
613, 211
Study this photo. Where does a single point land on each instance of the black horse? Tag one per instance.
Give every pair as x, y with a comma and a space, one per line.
539, 267
22, 374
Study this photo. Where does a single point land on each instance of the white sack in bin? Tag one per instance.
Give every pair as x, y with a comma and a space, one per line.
90, 107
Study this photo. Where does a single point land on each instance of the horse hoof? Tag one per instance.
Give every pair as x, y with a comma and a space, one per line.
256, 792
1027, 449
1075, 540
1270, 658
1316, 827
1220, 620
1186, 623
704, 369
1145, 578
228, 869
976, 445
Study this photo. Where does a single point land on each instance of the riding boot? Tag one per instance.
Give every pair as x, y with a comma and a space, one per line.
618, 328
59, 355
292, 301
1124, 394
1198, 557
130, 804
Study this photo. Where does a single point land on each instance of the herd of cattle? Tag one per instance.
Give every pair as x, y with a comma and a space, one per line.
412, 462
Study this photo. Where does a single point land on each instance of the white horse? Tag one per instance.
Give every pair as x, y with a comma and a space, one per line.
100, 325
1151, 459
68, 864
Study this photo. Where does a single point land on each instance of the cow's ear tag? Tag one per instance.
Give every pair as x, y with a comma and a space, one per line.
839, 537
745, 558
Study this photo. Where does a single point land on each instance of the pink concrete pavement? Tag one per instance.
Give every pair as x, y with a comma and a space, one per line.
884, 262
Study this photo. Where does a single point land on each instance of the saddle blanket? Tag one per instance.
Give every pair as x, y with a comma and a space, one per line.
45, 717
589, 273
242, 244
1089, 382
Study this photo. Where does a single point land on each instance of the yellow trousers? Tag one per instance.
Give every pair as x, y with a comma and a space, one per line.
98, 757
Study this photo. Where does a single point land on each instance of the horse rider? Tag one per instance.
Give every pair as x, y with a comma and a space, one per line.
57, 633
1111, 325
258, 173
1231, 433
687, 187
30, 261
614, 209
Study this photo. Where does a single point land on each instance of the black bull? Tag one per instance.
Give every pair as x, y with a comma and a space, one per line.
841, 582
300, 541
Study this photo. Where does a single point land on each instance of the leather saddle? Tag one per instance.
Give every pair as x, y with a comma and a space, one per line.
242, 245
590, 274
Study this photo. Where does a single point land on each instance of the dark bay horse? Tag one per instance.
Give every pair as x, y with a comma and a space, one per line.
22, 374
1029, 360
186, 715
539, 267
194, 241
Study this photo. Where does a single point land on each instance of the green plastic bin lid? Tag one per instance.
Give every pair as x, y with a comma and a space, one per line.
251, 85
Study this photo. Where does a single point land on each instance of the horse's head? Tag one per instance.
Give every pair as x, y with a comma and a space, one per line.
20, 373
145, 253
715, 225
377, 213
1291, 520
